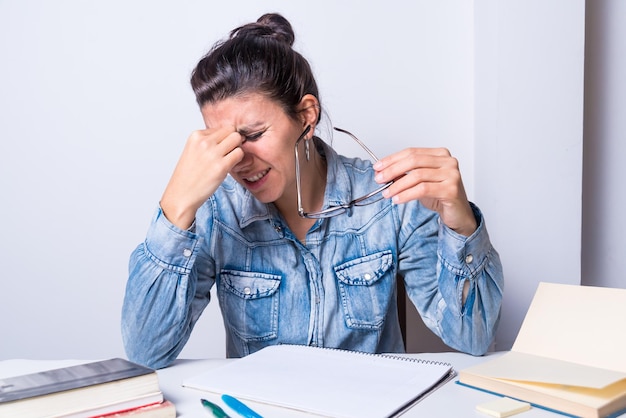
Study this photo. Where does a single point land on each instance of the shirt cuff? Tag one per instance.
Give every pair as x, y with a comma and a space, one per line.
169, 245
465, 255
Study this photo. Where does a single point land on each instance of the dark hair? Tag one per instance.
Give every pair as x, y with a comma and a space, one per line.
256, 58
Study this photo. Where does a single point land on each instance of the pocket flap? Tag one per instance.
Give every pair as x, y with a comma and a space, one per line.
365, 270
250, 285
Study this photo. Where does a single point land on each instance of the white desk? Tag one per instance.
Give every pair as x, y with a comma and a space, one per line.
450, 401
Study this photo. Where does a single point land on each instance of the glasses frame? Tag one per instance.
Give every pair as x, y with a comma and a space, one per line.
336, 209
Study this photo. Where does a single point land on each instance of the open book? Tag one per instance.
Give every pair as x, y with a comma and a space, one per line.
327, 382
569, 355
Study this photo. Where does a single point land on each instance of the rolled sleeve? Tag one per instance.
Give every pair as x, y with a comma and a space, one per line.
466, 325
163, 297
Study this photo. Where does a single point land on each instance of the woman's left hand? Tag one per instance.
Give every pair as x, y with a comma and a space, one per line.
432, 176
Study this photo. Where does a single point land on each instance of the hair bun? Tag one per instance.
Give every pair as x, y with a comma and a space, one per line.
270, 25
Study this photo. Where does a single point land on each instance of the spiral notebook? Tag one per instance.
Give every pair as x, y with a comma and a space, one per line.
327, 382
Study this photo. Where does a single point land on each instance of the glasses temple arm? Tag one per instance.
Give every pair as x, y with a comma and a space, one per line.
374, 157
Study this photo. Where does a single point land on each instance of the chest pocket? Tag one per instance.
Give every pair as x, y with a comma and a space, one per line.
249, 302
366, 286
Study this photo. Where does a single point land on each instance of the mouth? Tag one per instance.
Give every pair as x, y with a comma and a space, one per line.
256, 177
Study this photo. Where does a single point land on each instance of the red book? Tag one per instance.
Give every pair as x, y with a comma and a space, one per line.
165, 409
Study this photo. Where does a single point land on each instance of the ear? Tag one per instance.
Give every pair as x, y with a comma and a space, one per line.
309, 111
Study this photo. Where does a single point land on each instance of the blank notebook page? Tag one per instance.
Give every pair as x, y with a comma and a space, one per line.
324, 381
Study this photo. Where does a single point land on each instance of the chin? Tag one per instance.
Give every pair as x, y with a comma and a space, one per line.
261, 192
265, 196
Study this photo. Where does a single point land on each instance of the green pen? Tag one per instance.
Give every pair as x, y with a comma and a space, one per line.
217, 411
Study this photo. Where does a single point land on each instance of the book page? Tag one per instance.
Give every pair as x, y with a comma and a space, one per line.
529, 368
579, 324
591, 397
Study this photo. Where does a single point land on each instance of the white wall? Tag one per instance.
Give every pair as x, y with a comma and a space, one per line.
604, 223
95, 107
528, 143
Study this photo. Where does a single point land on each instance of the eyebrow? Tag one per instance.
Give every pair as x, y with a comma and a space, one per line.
251, 128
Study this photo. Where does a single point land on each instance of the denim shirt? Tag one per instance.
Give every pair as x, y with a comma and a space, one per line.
337, 289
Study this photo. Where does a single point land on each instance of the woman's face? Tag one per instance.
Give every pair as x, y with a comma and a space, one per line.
267, 169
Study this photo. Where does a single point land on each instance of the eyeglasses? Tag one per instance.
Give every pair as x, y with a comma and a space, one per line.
365, 200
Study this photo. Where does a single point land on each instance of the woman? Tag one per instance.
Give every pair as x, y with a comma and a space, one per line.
301, 243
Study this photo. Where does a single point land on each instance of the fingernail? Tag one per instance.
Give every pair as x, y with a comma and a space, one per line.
378, 178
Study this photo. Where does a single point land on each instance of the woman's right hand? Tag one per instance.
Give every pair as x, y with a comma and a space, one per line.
208, 156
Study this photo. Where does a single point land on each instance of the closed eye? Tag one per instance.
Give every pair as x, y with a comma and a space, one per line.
253, 136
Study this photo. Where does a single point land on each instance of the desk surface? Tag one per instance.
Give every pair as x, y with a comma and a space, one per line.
451, 400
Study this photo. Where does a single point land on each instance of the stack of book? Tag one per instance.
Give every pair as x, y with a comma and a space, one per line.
109, 388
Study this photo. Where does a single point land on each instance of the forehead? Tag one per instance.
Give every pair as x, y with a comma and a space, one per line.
249, 109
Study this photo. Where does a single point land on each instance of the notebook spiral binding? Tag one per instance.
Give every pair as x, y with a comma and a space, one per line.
382, 355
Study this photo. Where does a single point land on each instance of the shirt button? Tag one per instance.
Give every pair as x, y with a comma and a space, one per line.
277, 228
187, 252
367, 276
469, 258
246, 290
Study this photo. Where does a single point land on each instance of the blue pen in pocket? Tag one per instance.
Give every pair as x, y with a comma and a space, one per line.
239, 407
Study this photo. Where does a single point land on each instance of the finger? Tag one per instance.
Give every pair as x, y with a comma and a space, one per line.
438, 175
417, 184
413, 161
232, 158
219, 133
410, 153
229, 143
213, 143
